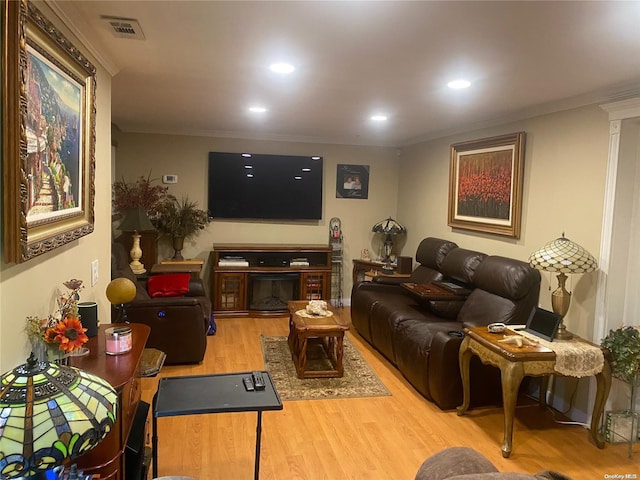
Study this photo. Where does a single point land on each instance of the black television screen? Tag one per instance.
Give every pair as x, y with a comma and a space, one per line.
260, 186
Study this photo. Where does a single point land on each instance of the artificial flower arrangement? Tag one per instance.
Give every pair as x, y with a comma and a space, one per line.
61, 333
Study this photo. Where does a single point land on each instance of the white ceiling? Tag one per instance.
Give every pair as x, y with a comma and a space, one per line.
204, 62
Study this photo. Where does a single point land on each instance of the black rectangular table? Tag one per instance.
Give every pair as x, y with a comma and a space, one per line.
217, 393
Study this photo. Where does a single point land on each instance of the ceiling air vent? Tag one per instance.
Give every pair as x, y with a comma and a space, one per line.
124, 27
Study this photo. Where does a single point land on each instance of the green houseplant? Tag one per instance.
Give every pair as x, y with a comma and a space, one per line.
623, 345
180, 220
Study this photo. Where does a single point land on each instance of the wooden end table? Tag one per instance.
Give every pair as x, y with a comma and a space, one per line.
515, 363
327, 330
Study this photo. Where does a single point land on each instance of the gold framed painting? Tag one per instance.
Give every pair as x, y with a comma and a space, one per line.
485, 185
48, 141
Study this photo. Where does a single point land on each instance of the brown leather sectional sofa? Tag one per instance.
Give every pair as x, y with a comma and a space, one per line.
178, 324
422, 338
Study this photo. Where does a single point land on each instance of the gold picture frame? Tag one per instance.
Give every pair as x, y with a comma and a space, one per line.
485, 185
48, 142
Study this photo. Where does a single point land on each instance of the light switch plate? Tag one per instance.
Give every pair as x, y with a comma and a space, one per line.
94, 272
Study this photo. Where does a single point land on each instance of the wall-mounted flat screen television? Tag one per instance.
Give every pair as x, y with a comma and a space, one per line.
261, 186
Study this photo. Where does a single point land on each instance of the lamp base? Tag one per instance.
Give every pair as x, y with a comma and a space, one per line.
563, 333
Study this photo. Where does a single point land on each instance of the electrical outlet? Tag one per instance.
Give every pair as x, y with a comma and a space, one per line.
94, 272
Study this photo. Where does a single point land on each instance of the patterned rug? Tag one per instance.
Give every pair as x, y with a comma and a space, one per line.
359, 379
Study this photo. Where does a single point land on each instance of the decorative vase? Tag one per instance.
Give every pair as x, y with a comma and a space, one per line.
178, 245
55, 355
40, 350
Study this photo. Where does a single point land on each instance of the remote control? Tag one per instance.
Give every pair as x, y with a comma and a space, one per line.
248, 384
258, 381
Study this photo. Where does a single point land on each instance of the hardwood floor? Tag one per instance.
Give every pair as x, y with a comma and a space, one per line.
373, 438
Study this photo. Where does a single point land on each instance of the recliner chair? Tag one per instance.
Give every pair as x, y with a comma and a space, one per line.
178, 324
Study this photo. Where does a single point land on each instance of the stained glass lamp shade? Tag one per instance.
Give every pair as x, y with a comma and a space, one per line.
50, 413
388, 227
563, 256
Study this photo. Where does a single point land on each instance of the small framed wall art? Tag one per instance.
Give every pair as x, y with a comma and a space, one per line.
352, 181
48, 136
485, 184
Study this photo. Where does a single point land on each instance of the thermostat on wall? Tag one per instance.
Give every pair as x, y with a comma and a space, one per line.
170, 179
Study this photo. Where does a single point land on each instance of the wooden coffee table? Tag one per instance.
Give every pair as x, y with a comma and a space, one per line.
328, 331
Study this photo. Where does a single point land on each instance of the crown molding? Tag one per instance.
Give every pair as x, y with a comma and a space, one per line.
63, 14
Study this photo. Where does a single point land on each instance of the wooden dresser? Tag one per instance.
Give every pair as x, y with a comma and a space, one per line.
108, 459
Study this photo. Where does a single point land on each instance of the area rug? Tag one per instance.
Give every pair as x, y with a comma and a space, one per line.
359, 380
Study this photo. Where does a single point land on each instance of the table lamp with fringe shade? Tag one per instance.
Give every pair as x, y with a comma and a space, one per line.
51, 414
563, 256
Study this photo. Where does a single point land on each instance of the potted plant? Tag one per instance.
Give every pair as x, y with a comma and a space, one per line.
180, 219
623, 345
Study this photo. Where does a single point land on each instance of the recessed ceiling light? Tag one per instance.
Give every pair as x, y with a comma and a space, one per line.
458, 84
378, 118
297, 177
315, 158
283, 68
306, 169
246, 155
257, 109
249, 175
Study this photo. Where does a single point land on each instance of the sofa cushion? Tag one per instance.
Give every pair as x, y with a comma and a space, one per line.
432, 251
506, 291
506, 277
460, 264
169, 285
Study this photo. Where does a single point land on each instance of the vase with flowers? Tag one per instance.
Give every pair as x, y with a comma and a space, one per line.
61, 334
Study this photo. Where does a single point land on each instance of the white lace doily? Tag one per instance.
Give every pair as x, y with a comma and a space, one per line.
574, 358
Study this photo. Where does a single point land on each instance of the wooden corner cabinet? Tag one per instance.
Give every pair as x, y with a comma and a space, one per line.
259, 279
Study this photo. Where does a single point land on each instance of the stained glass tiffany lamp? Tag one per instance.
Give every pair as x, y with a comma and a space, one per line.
50, 413
564, 256
389, 227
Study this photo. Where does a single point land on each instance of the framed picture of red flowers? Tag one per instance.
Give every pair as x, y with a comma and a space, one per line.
48, 135
485, 184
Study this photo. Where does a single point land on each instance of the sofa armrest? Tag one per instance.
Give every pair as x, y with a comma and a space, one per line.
377, 287
445, 383
455, 461
390, 280
196, 288
178, 326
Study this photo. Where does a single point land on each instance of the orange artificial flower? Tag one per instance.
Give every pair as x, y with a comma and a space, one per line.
69, 334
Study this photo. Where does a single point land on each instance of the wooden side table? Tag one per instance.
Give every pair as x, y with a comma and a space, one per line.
194, 267
515, 363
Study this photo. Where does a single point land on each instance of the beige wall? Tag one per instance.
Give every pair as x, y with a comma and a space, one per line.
565, 167
187, 157
28, 288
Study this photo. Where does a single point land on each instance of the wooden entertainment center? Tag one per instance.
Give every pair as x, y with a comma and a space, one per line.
259, 279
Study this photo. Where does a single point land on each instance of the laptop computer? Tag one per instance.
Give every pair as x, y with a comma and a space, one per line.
543, 323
